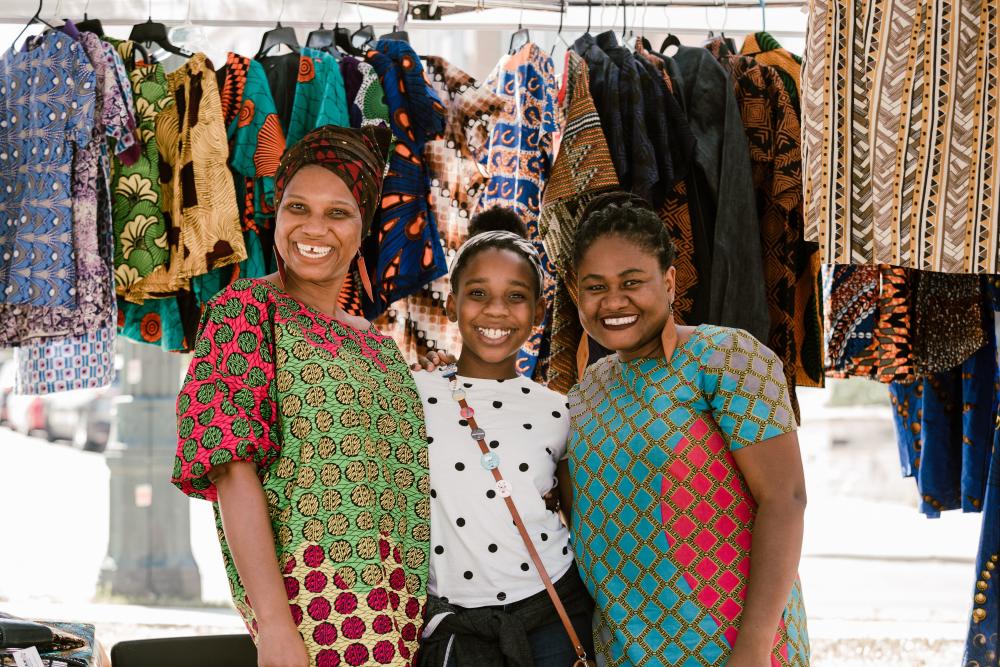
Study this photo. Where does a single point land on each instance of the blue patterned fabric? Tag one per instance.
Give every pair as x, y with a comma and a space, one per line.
46, 113
982, 648
405, 236
944, 429
519, 158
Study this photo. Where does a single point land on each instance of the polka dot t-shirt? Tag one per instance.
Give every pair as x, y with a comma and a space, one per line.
477, 556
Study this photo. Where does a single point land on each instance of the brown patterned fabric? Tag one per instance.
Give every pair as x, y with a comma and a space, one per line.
582, 170
901, 133
418, 323
947, 321
199, 200
766, 50
772, 129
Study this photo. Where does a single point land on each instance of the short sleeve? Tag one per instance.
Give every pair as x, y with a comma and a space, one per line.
225, 409
746, 390
118, 117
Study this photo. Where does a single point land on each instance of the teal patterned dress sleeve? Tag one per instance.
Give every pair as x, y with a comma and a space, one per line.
746, 390
320, 96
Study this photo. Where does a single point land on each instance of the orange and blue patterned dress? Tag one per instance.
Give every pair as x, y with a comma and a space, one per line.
330, 417
663, 519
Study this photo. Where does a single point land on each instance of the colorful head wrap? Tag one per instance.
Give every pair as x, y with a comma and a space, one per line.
358, 157
501, 239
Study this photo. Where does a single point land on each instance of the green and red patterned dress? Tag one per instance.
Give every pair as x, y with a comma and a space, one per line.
331, 418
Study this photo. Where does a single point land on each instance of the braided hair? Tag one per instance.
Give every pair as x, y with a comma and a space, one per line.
628, 216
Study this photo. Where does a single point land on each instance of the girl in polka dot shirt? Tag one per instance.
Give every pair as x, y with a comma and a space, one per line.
485, 592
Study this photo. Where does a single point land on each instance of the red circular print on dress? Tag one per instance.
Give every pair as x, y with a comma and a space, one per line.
382, 625
378, 599
291, 587
296, 613
150, 328
319, 609
397, 579
409, 632
384, 652
394, 600
346, 603
353, 628
325, 634
327, 658
313, 556
315, 581
356, 654
403, 650
397, 555
383, 549
289, 565
412, 608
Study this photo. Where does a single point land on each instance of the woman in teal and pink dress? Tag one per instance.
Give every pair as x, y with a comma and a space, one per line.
302, 424
688, 484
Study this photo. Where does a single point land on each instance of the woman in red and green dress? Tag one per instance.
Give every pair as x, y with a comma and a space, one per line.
302, 424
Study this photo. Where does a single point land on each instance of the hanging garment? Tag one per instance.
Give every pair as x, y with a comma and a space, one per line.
893, 325
140, 231
945, 429
419, 323
766, 50
198, 196
665, 517
370, 99
404, 247
44, 124
981, 647
772, 130
519, 160
350, 72
582, 170
256, 144
693, 258
91, 213
74, 348
159, 322
901, 132
320, 98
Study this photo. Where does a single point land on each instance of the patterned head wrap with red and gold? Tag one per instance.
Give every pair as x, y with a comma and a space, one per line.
358, 157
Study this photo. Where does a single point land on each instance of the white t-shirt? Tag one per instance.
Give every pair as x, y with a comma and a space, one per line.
477, 555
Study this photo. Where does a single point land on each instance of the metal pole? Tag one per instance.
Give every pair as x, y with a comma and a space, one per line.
149, 550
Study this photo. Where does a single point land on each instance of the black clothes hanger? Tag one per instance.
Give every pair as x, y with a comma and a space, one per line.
562, 15
671, 40
90, 25
399, 27
520, 36
323, 38
279, 35
37, 18
156, 33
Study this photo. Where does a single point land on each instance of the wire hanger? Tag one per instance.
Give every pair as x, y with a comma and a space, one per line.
90, 25
763, 15
590, 7
279, 35
155, 33
36, 18
323, 38
363, 37
341, 36
642, 25
520, 36
559, 34
671, 39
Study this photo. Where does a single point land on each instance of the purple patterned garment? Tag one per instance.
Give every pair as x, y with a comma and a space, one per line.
88, 330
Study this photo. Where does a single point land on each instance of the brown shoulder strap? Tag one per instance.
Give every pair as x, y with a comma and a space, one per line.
503, 488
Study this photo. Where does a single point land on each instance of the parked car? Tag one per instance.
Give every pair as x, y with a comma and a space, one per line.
7, 371
26, 414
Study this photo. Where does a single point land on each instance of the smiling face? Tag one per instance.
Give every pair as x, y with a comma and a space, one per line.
318, 227
624, 297
496, 306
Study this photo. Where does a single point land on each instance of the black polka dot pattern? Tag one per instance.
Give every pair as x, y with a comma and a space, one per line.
471, 539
